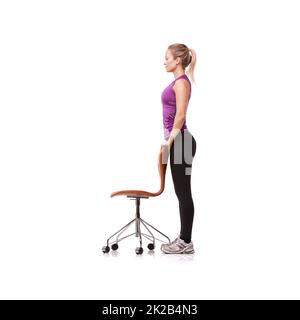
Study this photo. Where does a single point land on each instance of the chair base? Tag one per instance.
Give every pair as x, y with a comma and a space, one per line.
138, 233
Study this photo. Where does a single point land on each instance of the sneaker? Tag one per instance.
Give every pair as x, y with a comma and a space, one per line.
178, 246
174, 241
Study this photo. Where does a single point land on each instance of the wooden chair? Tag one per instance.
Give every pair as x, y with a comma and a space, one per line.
137, 195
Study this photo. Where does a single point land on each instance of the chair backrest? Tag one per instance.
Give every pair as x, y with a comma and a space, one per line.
162, 166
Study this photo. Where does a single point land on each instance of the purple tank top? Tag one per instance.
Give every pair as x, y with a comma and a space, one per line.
168, 100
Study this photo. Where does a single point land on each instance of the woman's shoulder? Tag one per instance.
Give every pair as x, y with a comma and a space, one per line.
182, 82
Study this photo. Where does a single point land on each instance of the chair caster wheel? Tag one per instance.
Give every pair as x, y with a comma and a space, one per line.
105, 249
115, 246
139, 250
151, 246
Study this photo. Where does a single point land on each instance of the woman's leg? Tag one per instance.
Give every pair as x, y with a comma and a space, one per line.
182, 153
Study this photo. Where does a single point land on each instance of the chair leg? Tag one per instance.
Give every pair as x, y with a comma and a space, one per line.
145, 222
153, 238
121, 231
138, 230
138, 221
117, 238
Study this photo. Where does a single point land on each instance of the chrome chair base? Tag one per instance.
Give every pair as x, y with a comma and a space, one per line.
138, 233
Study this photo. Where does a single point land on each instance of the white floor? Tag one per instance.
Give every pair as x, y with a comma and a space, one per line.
249, 262
52, 249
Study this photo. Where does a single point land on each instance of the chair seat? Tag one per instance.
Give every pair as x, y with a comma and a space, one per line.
134, 193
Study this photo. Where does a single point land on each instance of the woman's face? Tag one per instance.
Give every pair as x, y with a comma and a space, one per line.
170, 63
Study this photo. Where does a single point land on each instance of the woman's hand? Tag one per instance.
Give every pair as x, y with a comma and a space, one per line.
165, 146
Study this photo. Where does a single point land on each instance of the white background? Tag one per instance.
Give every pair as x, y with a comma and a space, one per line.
81, 117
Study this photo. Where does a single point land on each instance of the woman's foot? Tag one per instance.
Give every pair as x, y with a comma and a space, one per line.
178, 246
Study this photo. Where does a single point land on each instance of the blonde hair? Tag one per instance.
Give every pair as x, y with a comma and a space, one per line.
187, 56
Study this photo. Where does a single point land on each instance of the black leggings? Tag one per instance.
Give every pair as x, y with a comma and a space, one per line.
182, 153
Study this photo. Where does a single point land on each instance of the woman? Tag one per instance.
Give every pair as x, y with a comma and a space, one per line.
180, 143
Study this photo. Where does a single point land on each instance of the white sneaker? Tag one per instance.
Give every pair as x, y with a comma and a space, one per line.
178, 246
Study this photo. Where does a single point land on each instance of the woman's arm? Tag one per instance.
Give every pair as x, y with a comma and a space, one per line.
182, 91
